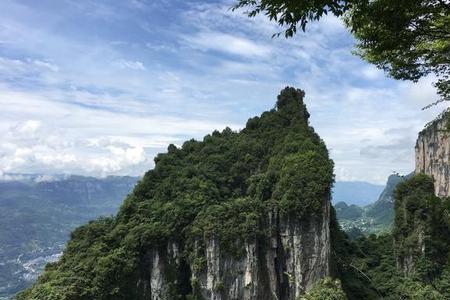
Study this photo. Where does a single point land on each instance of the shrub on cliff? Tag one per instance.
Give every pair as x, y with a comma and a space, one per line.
326, 289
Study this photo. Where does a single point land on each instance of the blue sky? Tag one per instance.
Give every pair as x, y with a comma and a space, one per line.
99, 87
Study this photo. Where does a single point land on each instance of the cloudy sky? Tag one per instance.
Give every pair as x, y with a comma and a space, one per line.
99, 87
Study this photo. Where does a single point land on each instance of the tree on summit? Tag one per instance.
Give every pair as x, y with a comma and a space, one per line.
408, 39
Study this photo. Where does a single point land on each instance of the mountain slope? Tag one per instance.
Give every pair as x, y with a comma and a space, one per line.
36, 217
382, 211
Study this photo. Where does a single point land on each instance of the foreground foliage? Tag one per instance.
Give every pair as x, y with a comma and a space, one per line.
407, 39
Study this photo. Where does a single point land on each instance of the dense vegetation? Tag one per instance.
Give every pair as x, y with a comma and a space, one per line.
348, 212
408, 39
219, 188
326, 289
411, 263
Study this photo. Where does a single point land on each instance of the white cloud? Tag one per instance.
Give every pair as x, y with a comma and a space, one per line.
26, 68
227, 43
46, 64
372, 73
75, 139
128, 64
11, 64
27, 127
85, 105
421, 93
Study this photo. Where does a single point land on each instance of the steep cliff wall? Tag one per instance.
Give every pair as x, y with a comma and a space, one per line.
419, 206
433, 155
294, 257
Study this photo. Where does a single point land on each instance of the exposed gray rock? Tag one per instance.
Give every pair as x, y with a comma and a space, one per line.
293, 258
157, 282
433, 155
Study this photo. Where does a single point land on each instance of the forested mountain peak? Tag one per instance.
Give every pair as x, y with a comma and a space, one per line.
204, 222
290, 102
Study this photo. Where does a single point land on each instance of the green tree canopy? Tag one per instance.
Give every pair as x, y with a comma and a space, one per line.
409, 39
326, 289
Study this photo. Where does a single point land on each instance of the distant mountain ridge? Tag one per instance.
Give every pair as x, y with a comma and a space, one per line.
38, 178
372, 218
37, 214
360, 193
383, 209
32, 177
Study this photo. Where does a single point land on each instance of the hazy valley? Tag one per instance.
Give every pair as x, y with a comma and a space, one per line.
39, 212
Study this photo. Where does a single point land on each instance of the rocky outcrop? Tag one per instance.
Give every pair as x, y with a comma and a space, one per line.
283, 266
406, 261
433, 155
412, 229
420, 221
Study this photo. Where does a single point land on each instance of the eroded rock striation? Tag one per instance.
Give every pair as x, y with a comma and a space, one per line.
290, 261
433, 154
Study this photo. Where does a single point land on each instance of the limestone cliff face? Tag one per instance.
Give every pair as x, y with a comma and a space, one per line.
286, 264
433, 155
